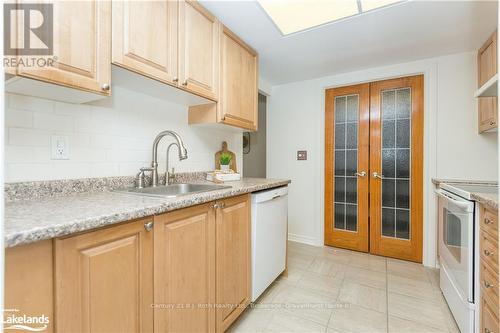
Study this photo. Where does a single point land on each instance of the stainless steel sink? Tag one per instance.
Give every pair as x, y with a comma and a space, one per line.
172, 191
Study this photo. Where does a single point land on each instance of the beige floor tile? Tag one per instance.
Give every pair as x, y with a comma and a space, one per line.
412, 287
321, 283
252, 320
326, 266
433, 276
309, 304
422, 311
398, 325
355, 319
303, 249
366, 277
300, 261
367, 261
407, 269
294, 275
366, 297
336, 255
268, 295
286, 322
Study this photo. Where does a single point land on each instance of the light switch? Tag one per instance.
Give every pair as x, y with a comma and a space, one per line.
60, 147
301, 155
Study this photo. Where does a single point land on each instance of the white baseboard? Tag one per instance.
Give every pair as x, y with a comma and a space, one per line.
303, 239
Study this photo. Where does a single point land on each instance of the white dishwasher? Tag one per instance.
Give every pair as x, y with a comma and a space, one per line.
269, 236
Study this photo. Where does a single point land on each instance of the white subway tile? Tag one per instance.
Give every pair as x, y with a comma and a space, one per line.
104, 170
72, 109
18, 118
85, 154
30, 103
16, 172
18, 154
28, 137
53, 122
42, 154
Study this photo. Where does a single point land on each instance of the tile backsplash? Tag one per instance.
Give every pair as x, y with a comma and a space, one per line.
112, 137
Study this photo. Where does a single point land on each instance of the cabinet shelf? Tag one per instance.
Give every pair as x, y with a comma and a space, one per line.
489, 89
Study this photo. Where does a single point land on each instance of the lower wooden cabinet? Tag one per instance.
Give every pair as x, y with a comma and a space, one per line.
233, 259
488, 267
104, 280
185, 270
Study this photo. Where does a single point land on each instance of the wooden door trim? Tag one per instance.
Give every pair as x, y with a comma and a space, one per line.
347, 238
392, 247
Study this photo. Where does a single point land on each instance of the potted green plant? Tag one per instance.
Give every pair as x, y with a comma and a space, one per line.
225, 160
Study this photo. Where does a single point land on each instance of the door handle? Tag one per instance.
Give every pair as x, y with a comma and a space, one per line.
488, 253
487, 284
377, 175
361, 174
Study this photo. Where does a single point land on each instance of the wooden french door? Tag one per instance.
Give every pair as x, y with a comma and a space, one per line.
346, 166
389, 191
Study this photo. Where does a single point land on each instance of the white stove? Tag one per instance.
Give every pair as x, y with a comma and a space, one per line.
458, 250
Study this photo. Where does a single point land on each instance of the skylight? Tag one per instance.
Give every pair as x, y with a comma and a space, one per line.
292, 16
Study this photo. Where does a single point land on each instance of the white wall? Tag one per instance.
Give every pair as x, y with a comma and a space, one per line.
104, 141
452, 147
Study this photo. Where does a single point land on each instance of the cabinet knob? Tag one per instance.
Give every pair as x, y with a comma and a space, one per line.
105, 86
185, 83
148, 226
486, 330
487, 284
492, 123
175, 79
488, 253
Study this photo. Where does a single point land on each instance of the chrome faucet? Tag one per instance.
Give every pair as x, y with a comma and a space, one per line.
169, 176
154, 162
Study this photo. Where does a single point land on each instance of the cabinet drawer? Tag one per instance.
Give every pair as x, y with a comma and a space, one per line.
489, 223
489, 250
489, 321
489, 286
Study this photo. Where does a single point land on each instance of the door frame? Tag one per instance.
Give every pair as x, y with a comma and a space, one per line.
347, 239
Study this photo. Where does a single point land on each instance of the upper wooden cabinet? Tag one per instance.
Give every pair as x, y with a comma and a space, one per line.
198, 50
145, 38
104, 280
487, 60
184, 267
82, 47
233, 259
238, 94
239, 82
486, 69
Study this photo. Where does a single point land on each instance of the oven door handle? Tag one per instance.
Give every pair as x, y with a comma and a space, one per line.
467, 206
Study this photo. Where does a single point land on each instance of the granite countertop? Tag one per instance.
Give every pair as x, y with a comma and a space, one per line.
45, 218
489, 200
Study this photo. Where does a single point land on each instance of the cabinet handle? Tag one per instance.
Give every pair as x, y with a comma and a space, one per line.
488, 253
185, 83
175, 79
105, 87
487, 284
487, 221
148, 226
486, 330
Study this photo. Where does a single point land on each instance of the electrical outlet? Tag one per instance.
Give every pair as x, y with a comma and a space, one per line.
60, 147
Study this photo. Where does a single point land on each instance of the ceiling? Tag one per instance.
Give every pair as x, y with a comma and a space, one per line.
404, 32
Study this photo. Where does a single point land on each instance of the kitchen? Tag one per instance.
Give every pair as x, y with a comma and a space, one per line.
128, 177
